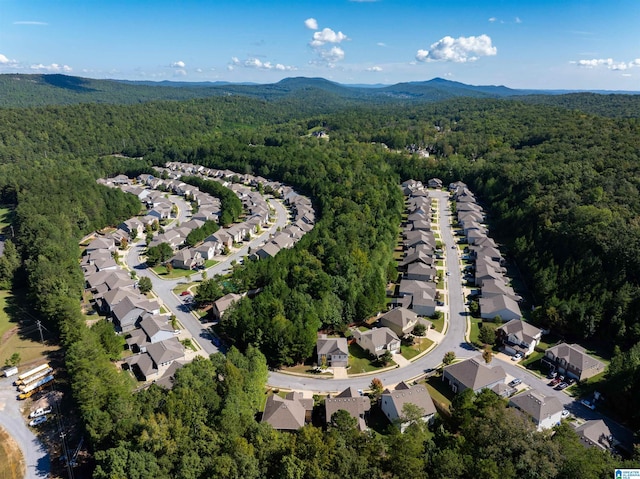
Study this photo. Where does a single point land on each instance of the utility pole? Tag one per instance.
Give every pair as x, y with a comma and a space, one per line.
39, 324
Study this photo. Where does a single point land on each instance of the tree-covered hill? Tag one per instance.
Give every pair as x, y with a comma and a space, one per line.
563, 192
316, 94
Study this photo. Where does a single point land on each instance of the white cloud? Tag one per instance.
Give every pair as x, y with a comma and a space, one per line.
198, 70
492, 19
381, 44
180, 73
311, 23
459, 50
374, 69
30, 22
608, 63
322, 40
178, 64
335, 54
327, 36
4, 60
517, 20
54, 67
258, 64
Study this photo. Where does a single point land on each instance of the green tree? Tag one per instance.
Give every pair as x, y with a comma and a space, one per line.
9, 264
14, 360
419, 329
448, 358
386, 358
486, 334
145, 285
208, 291
376, 388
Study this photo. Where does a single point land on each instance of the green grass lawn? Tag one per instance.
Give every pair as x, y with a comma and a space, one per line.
439, 391
183, 287
474, 334
28, 346
421, 344
360, 362
438, 324
162, 271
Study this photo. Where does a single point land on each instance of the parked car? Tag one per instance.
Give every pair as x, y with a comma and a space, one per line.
555, 382
516, 357
588, 404
565, 414
38, 420
561, 386
41, 411
552, 375
185, 293
570, 381
448, 273
515, 382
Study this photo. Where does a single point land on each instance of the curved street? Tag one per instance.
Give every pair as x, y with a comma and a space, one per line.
163, 288
453, 339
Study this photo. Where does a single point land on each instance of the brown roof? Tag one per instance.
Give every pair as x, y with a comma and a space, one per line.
537, 405
286, 413
352, 402
473, 374
576, 357
417, 395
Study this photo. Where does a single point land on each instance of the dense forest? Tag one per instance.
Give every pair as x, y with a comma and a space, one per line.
562, 190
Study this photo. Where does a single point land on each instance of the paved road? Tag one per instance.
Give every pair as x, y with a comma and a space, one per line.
11, 419
454, 340
164, 288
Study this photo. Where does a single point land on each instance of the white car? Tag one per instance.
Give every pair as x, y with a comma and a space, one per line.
588, 404
565, 414
516, 357
38, 420
41, 411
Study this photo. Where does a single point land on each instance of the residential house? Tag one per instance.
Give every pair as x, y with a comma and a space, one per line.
351, 401
472, 374
434, 183
421, 272
332, 351
596, 433
289, 413
424, 303
392, 403
101, 243
224, 303
573, 361
377, 341
187, 258
546, 411
499, 305
518, 336
207, 250
269, 250
400, 320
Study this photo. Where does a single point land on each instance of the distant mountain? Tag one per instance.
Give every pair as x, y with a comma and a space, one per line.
17, 90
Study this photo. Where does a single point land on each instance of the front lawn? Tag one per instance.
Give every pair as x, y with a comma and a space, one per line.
361, 362
438, 324
162, 271
420, 345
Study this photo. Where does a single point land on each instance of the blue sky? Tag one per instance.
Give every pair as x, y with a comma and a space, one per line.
572, 44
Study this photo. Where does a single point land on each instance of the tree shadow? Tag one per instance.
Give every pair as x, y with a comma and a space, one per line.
68, 83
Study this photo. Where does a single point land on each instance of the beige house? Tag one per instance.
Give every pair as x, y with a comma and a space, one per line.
393, 402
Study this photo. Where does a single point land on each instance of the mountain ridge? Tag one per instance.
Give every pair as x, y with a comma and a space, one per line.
27, 90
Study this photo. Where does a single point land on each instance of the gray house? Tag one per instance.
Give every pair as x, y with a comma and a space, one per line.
472, 374
392, 402
332, 351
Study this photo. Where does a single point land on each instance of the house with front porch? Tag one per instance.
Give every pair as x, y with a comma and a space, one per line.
518, 336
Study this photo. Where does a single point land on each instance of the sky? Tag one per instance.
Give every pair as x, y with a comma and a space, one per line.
541, 44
